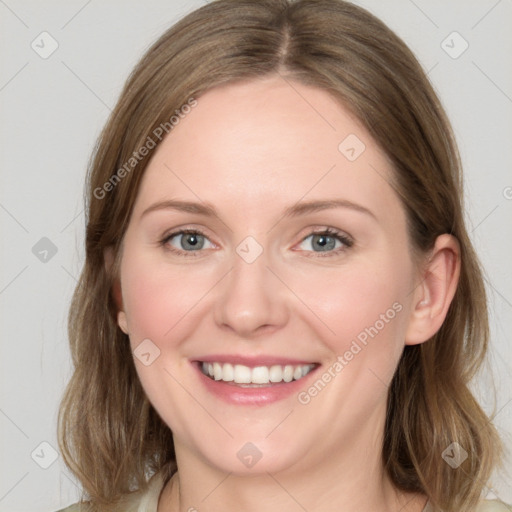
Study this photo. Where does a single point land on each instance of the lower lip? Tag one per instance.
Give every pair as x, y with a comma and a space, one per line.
261, 395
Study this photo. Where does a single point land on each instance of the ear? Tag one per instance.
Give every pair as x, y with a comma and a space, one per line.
432, 297
109, 258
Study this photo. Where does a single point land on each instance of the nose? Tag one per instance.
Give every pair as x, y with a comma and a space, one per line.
251, 301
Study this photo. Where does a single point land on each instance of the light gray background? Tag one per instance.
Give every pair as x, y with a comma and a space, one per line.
51, 113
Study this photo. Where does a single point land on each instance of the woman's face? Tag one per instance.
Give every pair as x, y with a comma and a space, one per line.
301, 329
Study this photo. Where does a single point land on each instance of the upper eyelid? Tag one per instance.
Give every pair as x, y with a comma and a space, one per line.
312, 231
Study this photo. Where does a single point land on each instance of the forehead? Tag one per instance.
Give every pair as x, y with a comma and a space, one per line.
268, 142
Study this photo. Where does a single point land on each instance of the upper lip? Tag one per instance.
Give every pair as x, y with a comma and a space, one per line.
253, 361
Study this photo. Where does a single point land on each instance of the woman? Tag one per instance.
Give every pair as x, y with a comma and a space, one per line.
280, 307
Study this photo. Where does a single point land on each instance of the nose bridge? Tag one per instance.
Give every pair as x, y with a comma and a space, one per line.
250, 297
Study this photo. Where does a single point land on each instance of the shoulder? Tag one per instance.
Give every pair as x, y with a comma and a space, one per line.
130, 504
76, 507
483, 506
493, 506
147, 501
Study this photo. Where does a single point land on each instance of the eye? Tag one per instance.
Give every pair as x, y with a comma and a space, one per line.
186, 240
326, 241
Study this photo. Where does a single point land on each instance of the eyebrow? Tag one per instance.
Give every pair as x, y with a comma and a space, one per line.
300, 208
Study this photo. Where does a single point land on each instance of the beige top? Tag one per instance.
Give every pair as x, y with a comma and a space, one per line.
148, 501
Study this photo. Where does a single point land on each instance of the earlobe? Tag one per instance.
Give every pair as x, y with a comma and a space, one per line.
118, 299
109, 259
121, 321
434, 294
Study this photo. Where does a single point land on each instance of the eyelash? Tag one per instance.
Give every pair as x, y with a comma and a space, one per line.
338, 235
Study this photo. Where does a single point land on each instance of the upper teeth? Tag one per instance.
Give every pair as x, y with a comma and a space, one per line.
241, 374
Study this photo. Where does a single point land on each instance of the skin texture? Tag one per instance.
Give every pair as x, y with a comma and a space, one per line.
251, 150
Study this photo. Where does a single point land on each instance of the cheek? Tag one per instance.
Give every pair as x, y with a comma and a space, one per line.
360, 308
157, 298
364, 318
159, 302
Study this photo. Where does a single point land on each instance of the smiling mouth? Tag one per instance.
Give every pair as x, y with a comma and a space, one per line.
257, 376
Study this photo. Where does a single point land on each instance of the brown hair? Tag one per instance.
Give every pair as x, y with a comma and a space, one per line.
109, 434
